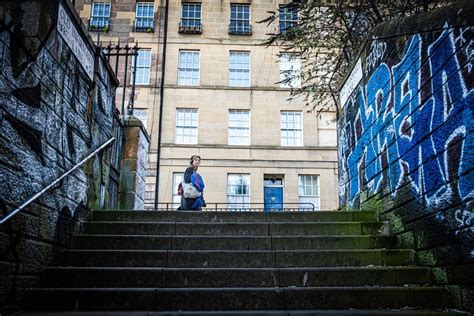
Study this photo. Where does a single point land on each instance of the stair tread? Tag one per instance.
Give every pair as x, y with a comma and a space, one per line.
236, 223
333, 312
310, 271
241, 289
230, 236
245, 269
239, 251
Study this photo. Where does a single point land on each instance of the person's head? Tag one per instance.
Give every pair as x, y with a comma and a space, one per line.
195, 161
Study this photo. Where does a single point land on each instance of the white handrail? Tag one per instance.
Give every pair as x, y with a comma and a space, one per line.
37, 195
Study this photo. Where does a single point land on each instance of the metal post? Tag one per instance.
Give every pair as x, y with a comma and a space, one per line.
162, 93
131, 102
117, 48
127, 48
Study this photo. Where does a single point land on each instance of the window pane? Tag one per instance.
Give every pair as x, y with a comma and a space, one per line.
291, 129
238, 190
191, 14
177, 179
239, 69
143, 67
288, 17
239, 127
240, 18
308, 191
100, 14
142, 115
290, 71
188, 69
186, 126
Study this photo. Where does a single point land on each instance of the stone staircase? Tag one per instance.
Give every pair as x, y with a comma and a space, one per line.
205, 263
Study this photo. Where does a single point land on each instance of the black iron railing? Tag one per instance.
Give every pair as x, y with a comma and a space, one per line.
99, 25
190, 27
240, 207
240, 28
144, 25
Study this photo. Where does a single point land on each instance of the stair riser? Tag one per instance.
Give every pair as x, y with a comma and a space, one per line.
232, 229
212, 216
236, 259
231, 243
231, 299
179, 278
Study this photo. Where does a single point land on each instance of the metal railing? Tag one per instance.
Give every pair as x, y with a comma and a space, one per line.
37, 195
144, 25
193, 27
238, 28
99, 25
240, 207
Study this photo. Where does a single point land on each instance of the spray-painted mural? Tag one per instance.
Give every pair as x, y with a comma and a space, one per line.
406, 135
414, 121
408, 126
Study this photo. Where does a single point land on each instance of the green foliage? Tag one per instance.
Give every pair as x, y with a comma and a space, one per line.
327, 39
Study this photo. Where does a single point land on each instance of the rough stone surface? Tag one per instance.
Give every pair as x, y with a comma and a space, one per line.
133, 172
406, 138
50, 119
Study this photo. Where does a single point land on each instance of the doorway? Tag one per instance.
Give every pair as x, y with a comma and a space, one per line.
273, 193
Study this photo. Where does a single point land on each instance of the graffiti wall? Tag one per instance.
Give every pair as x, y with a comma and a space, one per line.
406, 134
54, 111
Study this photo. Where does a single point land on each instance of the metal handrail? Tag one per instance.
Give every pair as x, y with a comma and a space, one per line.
248, 206
37, 195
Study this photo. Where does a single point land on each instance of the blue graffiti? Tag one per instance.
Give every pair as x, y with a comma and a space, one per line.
397, 135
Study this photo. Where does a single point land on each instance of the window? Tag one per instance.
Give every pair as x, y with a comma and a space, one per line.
191, 15
240, 19
188, 68
149, 193
327, 129
288, 17
144, 19
186, 126
142, 115
239, 69
308, 191
239, 127
238, 191
291, 129
100, 16
177, 179
289, 71
143, 67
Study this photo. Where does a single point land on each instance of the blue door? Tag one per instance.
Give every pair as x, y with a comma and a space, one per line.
273, 198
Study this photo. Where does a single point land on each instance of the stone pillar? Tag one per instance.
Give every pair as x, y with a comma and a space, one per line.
133, 165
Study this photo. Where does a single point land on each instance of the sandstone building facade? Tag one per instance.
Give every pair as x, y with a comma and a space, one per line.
224, 101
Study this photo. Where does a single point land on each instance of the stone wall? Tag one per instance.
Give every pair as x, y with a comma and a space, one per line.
406, 139
133, 166
53, 113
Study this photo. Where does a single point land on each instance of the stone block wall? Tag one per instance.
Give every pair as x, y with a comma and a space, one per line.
406, 142
133, 166
52, 115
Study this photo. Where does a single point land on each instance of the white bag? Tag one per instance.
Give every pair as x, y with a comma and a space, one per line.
190, 191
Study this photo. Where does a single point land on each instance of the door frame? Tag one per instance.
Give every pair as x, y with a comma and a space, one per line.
280, 185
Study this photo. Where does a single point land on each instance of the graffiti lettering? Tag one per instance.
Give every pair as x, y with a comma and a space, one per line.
464, 217
377, 53
403, 134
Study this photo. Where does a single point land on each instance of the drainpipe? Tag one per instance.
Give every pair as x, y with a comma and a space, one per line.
162, 92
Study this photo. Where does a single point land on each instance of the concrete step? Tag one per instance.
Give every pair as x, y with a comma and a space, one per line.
232, 216
169, 242
236, 259
84, 277
332, 312
233, 229
221, 299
